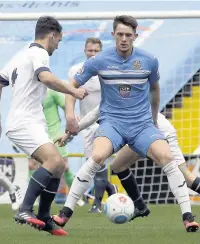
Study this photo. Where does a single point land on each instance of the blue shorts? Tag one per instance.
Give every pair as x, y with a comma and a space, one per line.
139, 140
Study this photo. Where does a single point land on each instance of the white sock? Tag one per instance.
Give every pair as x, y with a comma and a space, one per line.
178, 186
6, 183
81, 182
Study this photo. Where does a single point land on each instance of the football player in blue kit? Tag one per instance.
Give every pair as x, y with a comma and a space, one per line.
130, 97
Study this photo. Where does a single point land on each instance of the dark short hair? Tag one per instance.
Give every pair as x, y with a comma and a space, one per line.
45, 25
93, 40
125, 20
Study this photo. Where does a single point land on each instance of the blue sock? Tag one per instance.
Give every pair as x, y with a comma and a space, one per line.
46, 199
38, 182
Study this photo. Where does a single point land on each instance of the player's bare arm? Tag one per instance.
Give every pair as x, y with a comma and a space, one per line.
89, 119
72, 124
155, 100
52, 82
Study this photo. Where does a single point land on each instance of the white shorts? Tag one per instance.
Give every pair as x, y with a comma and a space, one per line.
88, 139
175, 148
29, 137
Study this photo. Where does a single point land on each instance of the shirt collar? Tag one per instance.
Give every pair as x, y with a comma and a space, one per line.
34, 44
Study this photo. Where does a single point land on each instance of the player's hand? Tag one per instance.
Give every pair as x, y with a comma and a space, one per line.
72, 125
77, 117
156, 124
80, 93
62, 140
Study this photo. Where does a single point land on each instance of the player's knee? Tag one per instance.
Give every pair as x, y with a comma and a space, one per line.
98, 158
164, 158
58, 165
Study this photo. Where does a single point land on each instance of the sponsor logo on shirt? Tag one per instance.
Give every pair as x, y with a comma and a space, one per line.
124, 90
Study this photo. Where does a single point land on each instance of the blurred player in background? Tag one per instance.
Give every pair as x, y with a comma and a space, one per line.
128, 115
14, 191
101, 183
29, 74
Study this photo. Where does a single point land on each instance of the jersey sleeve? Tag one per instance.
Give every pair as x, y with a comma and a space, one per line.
59, 98
71, 73
89, 119
4, 76
40, 61
154, 76
89, 69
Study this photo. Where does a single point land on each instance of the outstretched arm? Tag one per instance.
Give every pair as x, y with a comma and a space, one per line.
89, 119
85, 122
88, 70
52, 82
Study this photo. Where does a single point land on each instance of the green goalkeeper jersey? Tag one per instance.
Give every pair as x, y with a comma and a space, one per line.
52, 101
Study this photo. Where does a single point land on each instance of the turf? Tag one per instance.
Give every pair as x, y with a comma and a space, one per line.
163, 226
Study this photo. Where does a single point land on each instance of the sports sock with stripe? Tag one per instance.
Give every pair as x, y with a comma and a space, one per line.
46, 198
38, 182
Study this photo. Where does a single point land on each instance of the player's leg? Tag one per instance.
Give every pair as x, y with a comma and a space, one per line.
192, 181
68, 175
33, 165
125, 157
107, 141
151, 142
14, 191
34, 141
101, 182
54, 164
111, 188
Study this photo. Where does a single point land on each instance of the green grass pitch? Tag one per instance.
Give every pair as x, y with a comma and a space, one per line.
163, 226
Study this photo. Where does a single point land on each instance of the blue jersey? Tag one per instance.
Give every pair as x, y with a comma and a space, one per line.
124, 84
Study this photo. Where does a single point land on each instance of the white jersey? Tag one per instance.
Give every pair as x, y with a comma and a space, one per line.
27, 91
92, 86
165, 126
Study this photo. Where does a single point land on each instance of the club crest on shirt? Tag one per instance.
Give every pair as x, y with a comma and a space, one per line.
80, 71
45, 62
137, 65
124, 90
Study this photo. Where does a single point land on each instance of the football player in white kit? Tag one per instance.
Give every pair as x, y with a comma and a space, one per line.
101, 183
29, 75
14, 191
126, 157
